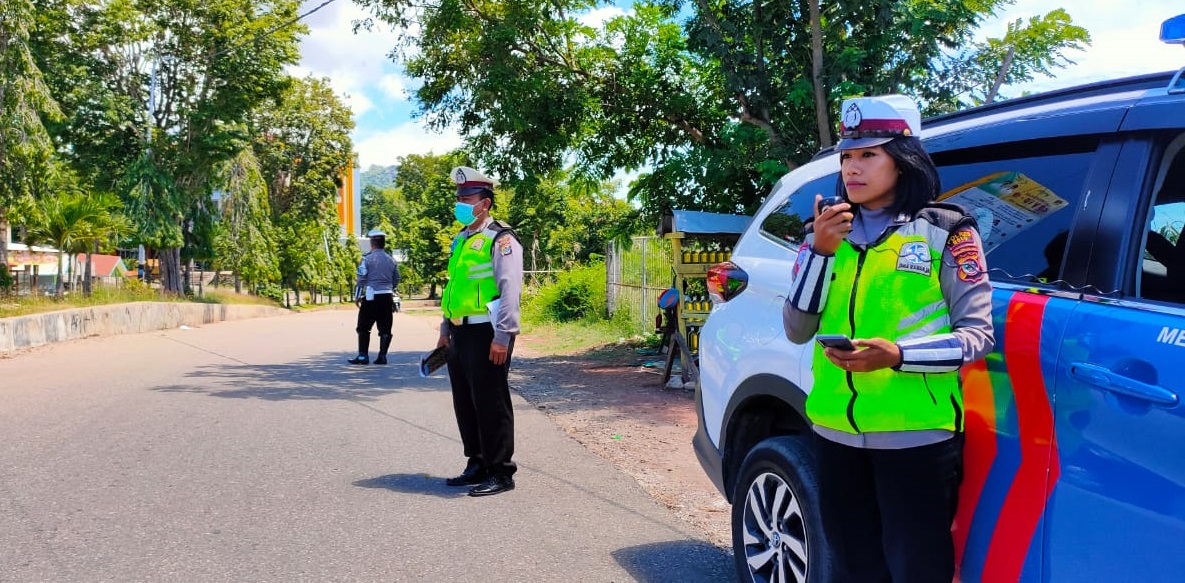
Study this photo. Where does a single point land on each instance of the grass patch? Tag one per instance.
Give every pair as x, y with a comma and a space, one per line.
129, 292
595, 339
219, 296
566, 316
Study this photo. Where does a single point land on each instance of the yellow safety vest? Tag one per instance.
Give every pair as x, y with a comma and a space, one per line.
889, 291
471, 282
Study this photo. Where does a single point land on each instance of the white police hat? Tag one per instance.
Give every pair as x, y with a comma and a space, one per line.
871, 121
470, 179
376, 233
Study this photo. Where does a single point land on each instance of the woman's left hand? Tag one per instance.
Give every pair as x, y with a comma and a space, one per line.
870, 354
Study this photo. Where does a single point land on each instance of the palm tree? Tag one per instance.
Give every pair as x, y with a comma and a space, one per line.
71, 222
105, 230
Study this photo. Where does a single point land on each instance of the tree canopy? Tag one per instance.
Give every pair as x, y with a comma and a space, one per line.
197, 69
186, 113
712, 100
25, 147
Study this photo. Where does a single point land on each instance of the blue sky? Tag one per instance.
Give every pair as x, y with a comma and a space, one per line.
1124, 43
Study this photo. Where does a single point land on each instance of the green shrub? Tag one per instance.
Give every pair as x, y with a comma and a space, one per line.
271, 291
576, 295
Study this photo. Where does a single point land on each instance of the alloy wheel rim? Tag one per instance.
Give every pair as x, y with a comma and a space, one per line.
774, 532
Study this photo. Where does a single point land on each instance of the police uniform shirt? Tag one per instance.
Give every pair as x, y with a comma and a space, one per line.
378, 271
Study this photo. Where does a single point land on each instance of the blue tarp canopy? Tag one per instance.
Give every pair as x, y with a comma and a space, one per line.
701, 223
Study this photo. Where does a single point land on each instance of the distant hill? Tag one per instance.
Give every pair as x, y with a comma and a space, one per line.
379, 176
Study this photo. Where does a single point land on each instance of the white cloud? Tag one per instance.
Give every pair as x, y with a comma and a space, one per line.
598, 16
394, 86
1124, 35
385, 146
331, 48
361, 73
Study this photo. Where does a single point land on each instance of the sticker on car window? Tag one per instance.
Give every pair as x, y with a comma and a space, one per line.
1004, 204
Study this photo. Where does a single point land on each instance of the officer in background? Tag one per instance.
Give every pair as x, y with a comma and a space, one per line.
481, 314
378, 274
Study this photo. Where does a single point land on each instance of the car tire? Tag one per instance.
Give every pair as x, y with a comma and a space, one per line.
777, 534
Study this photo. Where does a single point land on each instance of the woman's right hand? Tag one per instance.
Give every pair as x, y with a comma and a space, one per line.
831, 227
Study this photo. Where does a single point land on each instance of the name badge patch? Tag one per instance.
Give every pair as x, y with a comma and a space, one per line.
914, 257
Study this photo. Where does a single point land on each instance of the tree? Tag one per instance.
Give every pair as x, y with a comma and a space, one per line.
107, 228
73, 221
1026, 51
592, 218
200, 68
380, 205
302, 142
569, 222
25, 146
243, 240
716, 109
425, 230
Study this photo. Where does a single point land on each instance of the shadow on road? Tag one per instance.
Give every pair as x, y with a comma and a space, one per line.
414, 484
324, 376
687, 561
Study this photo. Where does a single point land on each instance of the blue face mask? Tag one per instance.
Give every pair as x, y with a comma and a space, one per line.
464, 213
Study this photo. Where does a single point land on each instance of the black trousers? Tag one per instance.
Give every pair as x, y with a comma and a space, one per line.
481, 398
888, 512
376, 311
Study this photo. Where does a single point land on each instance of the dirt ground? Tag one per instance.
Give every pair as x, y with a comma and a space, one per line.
618, 408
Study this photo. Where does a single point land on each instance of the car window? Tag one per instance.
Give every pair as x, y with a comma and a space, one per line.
787, 224
1024, 207
1162, 265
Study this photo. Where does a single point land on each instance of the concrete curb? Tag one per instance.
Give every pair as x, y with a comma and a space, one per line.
39, 329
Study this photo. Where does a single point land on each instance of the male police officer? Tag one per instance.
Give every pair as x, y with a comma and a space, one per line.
481, 311
378, 274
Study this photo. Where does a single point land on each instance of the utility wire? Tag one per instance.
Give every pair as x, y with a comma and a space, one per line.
273, 29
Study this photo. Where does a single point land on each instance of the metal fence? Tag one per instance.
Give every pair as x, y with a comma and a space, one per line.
636, 274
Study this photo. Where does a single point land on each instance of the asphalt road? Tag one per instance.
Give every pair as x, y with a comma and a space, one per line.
249, 451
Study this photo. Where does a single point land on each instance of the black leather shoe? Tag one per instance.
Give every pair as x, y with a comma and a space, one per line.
493, 485
380, 360
473, 474
360, 359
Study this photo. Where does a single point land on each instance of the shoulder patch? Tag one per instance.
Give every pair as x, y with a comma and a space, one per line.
504, 247
967, 254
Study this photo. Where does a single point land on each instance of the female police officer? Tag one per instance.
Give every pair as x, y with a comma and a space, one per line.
905, 278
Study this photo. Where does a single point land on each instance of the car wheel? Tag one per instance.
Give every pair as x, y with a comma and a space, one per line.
777, 535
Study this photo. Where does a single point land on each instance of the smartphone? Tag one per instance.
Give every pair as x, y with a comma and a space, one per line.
835, 341
827, 201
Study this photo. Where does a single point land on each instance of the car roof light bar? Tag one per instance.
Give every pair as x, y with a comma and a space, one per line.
1172, 31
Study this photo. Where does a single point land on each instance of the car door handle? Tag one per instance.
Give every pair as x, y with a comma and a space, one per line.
1106, 379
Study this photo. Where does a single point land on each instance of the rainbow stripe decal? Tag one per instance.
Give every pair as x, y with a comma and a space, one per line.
1011, 462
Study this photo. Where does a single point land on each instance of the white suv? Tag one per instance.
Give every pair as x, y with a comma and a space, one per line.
1073, 466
